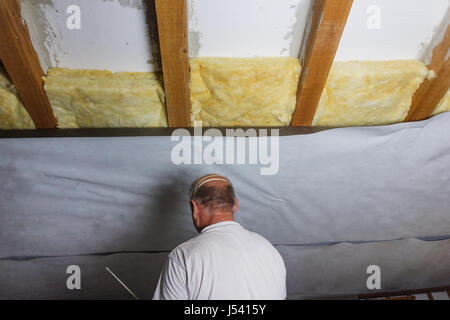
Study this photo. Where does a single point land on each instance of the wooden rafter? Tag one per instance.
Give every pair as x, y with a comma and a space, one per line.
329, 19
22, 64
433, 90
173, 38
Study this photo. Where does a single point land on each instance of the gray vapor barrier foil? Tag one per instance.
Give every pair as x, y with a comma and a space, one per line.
342, 200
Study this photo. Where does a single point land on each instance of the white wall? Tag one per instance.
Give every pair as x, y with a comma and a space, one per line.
246, 28
406, 30
115, 34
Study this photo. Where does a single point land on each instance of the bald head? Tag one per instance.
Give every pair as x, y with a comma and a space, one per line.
214, 192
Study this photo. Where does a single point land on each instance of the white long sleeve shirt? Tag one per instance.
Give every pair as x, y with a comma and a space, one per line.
224, 262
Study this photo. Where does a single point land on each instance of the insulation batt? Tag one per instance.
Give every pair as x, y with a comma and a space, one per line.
369, 92
102, 99
444, 105
13, 114
228, 92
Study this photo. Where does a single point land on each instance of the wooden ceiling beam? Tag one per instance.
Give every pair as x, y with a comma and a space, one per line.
329, 19
173, 39
433, 90
22, 64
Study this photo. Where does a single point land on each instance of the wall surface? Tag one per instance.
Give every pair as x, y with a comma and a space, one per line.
236, 28
114, 34
118, 35
122, 203
405, 29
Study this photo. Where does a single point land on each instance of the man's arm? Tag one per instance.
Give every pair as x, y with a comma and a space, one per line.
172, 282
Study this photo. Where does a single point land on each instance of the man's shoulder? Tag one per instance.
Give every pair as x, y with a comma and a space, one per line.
199, 245
185, 249
265, 245
221, 237
258, 238
209, 243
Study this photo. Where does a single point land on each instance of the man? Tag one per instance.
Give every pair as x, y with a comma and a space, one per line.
225, 261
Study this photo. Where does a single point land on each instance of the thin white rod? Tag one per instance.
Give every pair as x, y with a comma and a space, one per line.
123, 284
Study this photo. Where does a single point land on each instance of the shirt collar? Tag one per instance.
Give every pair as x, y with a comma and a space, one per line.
219, 225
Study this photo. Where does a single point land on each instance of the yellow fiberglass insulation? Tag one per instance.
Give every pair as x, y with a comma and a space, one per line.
102, 99
13, 114
228, 92
444, 105
369, 92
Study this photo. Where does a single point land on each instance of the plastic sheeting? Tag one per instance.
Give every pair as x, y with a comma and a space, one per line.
312, 271
67, 197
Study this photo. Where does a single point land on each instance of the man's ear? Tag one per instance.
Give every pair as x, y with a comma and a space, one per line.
194, 207
236, 205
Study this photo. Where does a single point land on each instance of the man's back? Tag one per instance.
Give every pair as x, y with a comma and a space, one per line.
224, 262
